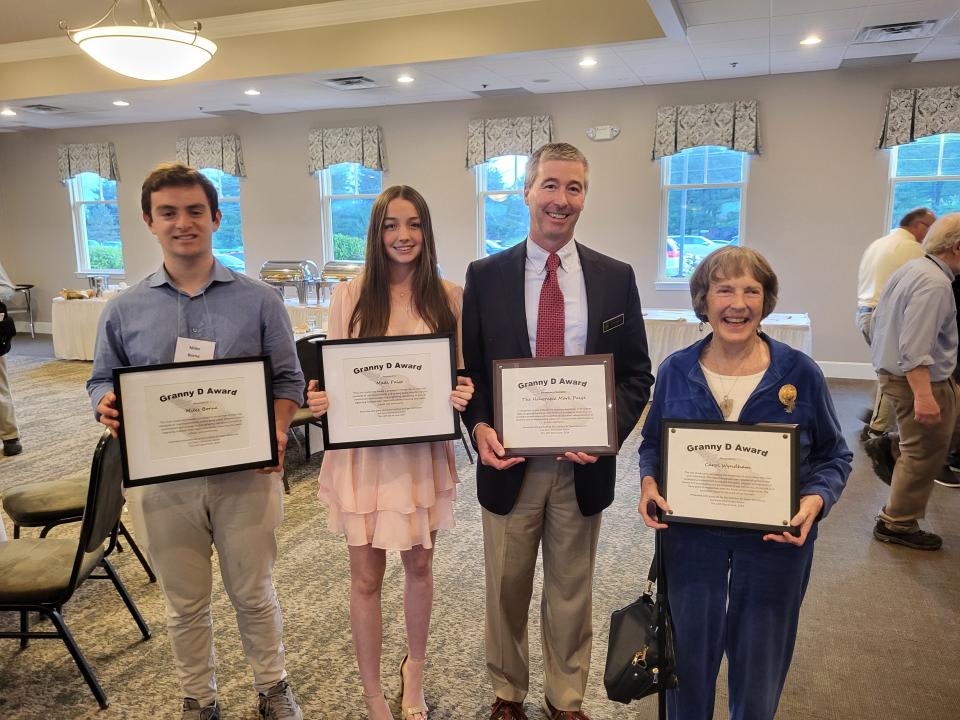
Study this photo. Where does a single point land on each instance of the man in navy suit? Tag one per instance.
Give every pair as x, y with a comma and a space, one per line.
548, 296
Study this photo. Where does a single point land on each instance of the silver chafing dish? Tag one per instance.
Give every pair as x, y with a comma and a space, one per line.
300, 274
337, 270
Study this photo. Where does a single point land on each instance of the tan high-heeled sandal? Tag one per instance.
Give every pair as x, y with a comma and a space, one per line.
371, 700
409, 712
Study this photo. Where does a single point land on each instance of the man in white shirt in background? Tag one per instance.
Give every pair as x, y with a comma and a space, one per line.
879, 261
8, 419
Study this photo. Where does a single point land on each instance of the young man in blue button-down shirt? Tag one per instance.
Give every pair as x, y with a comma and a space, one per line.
193, 297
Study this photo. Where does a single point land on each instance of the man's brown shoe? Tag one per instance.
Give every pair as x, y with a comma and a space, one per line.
554, 714
507, 710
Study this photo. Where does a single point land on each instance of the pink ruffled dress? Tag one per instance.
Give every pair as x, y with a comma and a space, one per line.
390, 496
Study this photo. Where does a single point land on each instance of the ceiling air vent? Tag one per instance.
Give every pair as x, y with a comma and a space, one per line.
354, 82
914, 30
44, 109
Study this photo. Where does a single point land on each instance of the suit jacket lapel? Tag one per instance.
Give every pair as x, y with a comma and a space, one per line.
512, 272
593, 283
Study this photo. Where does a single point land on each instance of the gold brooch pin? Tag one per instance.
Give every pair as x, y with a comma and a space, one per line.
788, 396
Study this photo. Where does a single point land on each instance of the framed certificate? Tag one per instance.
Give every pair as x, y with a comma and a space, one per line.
389, 390
730, 474
547, 406
187, 419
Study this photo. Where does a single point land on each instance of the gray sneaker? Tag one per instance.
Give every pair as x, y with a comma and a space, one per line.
279, 704
193, 711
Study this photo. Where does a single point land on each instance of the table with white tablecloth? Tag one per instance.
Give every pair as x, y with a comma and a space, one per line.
75, 324
672, 330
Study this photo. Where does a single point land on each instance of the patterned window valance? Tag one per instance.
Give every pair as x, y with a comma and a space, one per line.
731, 125
914, 113
506, 136
221, 152
99, 158
363, 145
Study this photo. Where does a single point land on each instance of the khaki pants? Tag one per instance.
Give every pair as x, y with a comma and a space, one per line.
8, 418
923, 450
546, 511
883, 418
177, 523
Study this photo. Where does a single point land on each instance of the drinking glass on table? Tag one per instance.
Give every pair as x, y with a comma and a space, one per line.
311, 323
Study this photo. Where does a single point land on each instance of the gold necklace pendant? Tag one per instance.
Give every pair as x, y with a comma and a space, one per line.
726, 407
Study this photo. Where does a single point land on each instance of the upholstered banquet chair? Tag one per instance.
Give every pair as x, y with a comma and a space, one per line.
49, 503
41, 575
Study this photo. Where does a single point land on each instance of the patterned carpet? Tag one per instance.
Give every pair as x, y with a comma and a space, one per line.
878, 635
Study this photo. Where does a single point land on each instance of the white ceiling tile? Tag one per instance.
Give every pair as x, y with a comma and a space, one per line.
715, 11
826, 57
745, 65
951, 29
737, 30
895, 47
752, 46
939, 52
518, 66
674, 66
830, 38
671, 78
792, 7
817, 22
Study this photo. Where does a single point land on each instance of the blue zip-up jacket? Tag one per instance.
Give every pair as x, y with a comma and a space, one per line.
681, 393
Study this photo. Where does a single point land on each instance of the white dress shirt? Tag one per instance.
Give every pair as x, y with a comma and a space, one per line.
570, 277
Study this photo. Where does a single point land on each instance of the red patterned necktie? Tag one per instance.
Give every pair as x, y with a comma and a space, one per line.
550, 313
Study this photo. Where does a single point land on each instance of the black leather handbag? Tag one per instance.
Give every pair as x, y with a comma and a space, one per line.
640, 659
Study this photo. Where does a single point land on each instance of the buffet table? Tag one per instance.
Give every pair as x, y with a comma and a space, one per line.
75, 324
672, 330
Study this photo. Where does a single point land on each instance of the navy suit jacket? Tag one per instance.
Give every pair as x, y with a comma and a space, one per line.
495, 328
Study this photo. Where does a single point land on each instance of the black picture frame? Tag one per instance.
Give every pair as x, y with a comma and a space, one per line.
612, 445
335, 426
790, 434
131, 434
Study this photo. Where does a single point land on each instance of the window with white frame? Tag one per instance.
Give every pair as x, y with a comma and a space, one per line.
502, 216
347, 191
925, 173
702, 191
96, 227
228, 240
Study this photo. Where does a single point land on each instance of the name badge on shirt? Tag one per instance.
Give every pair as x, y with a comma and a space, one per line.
189, 350
613, 323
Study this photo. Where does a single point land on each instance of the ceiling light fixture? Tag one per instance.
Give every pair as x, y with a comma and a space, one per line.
121, 103
251, 92
155, 48
811, 40
405, 79
7, 112
588, 62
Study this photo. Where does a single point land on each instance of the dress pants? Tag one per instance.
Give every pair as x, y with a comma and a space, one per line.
883, 419
8, 418
731, 592
546, 510
923, 450
177, 524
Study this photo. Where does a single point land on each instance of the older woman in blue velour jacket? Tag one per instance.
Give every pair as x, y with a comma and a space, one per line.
738, 591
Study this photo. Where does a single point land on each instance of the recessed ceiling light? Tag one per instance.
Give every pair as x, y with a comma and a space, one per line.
251, 91
121, 103
588, 62
405, 79
811, 40
7, 112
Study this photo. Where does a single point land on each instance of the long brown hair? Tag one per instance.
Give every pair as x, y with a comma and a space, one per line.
372, 312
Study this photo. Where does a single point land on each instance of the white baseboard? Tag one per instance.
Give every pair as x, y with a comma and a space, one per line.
847, 370
40, 328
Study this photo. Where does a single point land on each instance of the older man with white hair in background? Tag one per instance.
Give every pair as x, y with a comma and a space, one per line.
914, 351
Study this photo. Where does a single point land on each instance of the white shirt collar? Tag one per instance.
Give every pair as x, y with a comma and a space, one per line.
569, 257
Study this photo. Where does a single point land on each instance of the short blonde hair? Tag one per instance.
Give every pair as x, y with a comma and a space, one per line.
943, 234
727, 263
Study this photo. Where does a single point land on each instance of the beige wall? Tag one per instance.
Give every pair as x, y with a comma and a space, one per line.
816, 197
